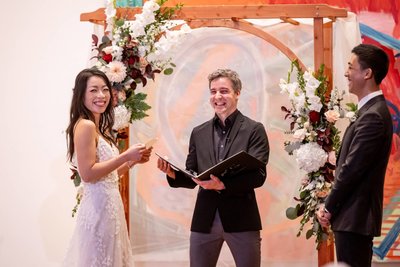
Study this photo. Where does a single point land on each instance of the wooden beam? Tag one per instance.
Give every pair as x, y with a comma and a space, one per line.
250, 28
260, 12
239, 11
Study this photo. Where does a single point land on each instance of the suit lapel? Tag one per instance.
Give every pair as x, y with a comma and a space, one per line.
360, 112
370, 103
343, 140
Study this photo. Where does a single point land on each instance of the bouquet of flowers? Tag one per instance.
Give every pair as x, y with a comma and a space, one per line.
315, 141
131, 53
134, 51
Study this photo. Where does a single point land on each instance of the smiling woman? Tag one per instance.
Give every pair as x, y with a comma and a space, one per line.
92, 149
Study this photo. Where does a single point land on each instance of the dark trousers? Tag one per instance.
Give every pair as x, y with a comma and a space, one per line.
206, 247
353, 249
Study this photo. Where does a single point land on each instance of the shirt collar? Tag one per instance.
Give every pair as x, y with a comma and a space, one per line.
368, 97
228, 121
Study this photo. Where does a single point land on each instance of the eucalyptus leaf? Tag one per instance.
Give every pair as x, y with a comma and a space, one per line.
291, 213
309, 234
77, 179
120, 22
168, 71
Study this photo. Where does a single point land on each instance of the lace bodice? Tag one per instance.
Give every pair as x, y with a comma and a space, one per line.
104, 152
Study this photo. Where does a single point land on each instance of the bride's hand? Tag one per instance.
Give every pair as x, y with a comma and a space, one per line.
146, 155
135, 152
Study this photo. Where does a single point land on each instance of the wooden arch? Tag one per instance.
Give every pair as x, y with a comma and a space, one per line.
233, 16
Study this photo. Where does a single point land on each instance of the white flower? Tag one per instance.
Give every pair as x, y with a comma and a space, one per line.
110, 13
310, 157
136, 29
108, 49
311, 185
143, 50
121, 96
298, 101
151, 6
300, 134
145, 18
115, 71
351, 115
122, 117
315, 103
117, 52
312, 83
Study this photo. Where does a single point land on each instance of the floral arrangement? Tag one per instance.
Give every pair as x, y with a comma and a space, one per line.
131, 53
134, 51
315, 142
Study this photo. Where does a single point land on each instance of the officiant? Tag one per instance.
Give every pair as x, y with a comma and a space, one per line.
226, 208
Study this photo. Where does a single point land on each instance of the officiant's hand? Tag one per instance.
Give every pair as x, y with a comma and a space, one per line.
213, 184
165, 167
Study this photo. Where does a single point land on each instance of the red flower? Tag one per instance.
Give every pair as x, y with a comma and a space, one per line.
107, 58
314, 116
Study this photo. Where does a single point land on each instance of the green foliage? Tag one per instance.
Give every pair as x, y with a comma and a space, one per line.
77, 179
291, 213
137, 105
168, 71
352, 107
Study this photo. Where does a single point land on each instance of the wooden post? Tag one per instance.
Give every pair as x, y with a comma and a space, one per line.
123, 144
318, 43
326, 253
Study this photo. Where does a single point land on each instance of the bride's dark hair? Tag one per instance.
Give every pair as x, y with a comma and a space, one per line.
78, 109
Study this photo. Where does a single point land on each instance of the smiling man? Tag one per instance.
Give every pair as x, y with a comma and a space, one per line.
354, 206
226, 208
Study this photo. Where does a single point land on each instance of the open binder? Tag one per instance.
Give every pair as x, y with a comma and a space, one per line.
241, 161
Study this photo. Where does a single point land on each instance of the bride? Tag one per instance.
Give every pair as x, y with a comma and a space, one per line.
101, 236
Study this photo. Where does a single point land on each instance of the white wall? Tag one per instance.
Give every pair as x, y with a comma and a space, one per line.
43, 46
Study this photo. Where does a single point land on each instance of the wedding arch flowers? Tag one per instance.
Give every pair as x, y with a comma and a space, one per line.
315, 141
130, 53
134, 51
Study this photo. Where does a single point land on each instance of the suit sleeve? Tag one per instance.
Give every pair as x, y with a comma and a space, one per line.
191, 164
258, 147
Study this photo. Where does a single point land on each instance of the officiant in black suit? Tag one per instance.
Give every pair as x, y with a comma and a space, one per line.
354, 206
226, 208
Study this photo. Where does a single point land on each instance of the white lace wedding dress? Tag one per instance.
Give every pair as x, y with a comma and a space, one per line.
101, 236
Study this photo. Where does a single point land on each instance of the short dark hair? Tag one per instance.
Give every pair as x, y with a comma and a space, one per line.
373, 57
227, 73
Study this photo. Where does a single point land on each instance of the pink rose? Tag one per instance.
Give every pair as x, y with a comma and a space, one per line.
332, 157
332, 116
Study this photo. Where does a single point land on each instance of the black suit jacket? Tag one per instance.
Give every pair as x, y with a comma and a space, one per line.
237, 203
356, 199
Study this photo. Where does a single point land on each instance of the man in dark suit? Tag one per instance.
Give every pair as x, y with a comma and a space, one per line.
354, 205
226, 208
